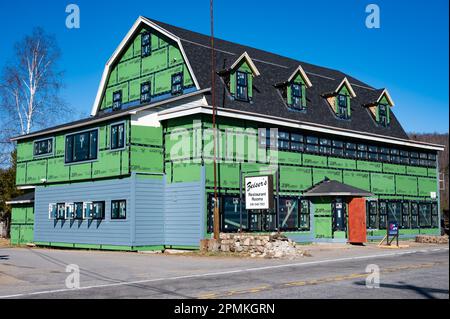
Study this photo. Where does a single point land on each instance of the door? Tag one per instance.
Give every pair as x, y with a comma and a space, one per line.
339, 218
357, 221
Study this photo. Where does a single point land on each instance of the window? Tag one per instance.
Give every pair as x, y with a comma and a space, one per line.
405, 216
297, 142
118, 209
414, 158
296, 96
414, 215
325, 146
372, 211
404, 157
350, 150
384, 154
145, 92
312, 144
434, 215
61, 211
177, 84
117, 100
383, 114
78, 211
43, 147
394, 212
288, 214
362, 151
81, 147
52, 211
342, 106
382, 209
304, 215
117, 136
145, 44
338, 148
97, 211
241, 86
425, 215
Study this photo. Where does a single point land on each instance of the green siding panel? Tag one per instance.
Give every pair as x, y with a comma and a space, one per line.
146, 159
19, 215
57, 170
295, 178
36, 171
369, 166
357, 179
414, 170
314, 160
406, 185
335, 162
394, 168
319, 175
427, 185
382, 183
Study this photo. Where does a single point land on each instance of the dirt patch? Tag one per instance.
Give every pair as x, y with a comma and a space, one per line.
4, 243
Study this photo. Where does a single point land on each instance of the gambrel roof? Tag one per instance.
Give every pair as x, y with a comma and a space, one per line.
275, 69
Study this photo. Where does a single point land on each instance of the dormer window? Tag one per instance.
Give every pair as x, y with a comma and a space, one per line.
380, 107
145, 44
293, 90
339, 99
383, 114
117, 100
342, 107
239, 78
296, 96
241, 86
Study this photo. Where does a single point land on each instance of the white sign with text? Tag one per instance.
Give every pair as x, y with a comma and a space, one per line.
258, 192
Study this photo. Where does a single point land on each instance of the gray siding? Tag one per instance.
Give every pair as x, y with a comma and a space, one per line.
149, 208
184, 214
157, 213
107, 231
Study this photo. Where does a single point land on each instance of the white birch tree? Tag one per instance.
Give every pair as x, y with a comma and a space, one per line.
29, 89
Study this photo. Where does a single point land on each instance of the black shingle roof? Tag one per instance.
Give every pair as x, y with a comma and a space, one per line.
335, 188
29, 196
276, 69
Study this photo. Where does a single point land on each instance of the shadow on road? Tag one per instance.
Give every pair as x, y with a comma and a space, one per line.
4, 257
108, 280
423, 291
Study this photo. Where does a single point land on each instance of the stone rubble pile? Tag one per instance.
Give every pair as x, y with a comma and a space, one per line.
432, 239
274, 245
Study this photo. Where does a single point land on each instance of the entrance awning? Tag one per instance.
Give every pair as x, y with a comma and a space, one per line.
334, 188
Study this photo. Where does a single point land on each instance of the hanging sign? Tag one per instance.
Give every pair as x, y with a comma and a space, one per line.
259, 192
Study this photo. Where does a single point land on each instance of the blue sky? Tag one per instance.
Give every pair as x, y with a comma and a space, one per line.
409, 54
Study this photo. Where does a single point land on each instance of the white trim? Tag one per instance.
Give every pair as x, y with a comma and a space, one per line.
26, 187
303, 75
249, 61
349, 86
16, 202
112, 116
388, 96
168, 114
141, 20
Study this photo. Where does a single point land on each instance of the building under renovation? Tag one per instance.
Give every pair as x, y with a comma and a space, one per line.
138, 174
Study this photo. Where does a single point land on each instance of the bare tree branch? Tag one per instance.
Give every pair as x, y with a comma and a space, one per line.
29, 88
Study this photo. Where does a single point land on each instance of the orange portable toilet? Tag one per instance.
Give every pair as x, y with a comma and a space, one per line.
357, 233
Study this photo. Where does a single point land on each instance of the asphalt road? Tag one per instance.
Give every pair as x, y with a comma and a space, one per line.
416, 272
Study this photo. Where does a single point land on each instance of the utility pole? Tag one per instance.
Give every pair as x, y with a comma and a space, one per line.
214, 111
